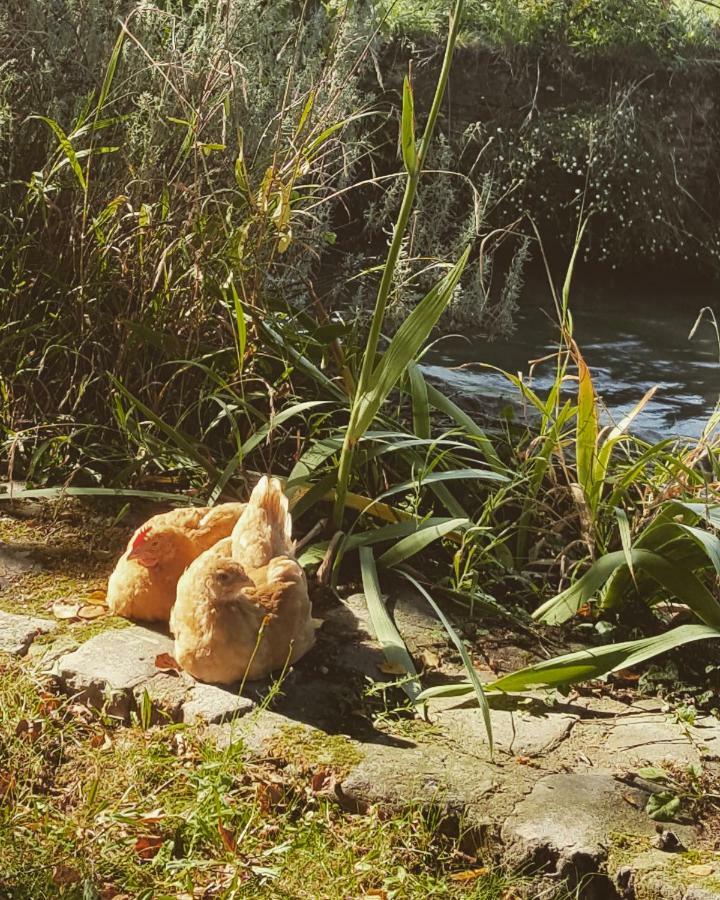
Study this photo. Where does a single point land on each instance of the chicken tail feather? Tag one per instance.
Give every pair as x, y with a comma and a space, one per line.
264, 530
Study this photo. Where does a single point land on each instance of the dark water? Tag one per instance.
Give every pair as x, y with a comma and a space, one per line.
631, 340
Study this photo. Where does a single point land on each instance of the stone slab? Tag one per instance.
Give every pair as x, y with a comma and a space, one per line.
18, 632
214, 705
566, 823
110, 666
516, 732
115, 669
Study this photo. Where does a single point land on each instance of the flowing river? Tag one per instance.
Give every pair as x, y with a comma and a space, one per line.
631, 340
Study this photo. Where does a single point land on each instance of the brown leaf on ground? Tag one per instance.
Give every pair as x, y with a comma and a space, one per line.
98, 597
148, 845
48, 702
378, 894
227, 836
470, 874
31, 731
101, 741
429, 659
166, 663
321, 781
269, 796
63, 875
65, 610
92, 611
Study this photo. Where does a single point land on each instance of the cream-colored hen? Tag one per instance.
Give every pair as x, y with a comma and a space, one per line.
243, 608
144, 581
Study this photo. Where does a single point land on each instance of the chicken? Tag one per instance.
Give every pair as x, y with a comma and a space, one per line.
144, 581
242, 608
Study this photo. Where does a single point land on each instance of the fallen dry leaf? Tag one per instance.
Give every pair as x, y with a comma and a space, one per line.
700, 871
269, 796
523, 760
320, 781
63, 875
30, 730
388, 668
92, 611
148, 845
227, 836
470, 874
152, 817
379, 894
429, 659
166, 663
101, 741
65, 610
98, 597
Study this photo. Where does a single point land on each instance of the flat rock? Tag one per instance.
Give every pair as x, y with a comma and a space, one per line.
426, 774
111, 666
653, 737
116, 669
566, 823
18, 632
517, 732
213, 704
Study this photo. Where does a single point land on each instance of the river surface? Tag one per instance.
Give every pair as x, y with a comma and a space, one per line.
631, 341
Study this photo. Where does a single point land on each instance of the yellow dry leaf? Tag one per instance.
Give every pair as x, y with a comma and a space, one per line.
91, 611
388, 668
470, 874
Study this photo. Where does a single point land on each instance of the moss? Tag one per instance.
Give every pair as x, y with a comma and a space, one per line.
312, 749
625, 846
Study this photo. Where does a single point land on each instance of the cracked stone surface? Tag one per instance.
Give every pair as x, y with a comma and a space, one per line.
18, 632
116, 668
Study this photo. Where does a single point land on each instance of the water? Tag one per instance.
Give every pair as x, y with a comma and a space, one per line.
631, 340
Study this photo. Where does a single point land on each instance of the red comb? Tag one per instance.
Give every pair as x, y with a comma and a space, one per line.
141, 535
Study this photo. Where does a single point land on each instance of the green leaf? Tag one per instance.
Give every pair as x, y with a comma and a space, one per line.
587, 433
678, 580
653, 773
67, 149
663, 806
393, 532
419, 540
445, 405
387, 634
585, 665
160, 496
407, 131
404, 347
420, 406
449, 475
625, 540
477, 686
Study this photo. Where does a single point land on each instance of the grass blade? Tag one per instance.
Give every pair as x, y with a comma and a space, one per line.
387, 634
477, 686
419, 540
